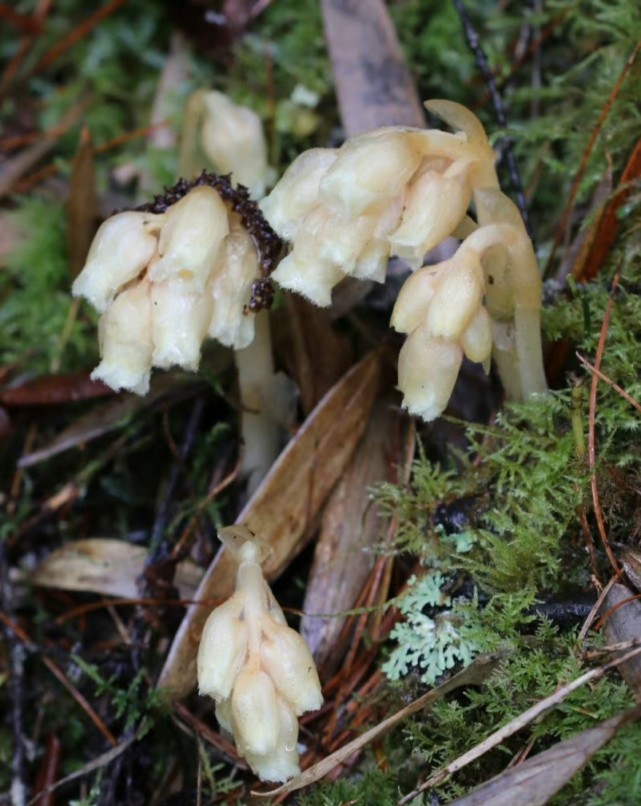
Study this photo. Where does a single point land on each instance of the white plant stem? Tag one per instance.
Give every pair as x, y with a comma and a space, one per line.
518, 352
259, 429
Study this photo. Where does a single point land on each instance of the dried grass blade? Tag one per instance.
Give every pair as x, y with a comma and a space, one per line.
535, 781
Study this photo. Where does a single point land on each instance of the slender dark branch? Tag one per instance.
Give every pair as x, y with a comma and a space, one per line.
17, 653
500, 111
155, 581
157, 549
158, 573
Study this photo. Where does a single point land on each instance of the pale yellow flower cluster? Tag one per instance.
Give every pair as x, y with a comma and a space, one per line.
163, 282
485, 298
400, 191
259, 670
393, 191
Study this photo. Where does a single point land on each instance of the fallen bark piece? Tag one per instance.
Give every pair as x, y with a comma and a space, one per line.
285, 507
343, 558
373, 83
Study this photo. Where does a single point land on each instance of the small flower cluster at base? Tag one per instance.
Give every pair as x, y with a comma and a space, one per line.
258, 670
393, 191
164, 281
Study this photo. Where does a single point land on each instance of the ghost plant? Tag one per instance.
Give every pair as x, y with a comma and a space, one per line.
401, 191
229, 139
258, 670
191, 265
220, 135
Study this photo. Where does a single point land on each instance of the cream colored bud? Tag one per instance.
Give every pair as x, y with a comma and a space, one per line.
436, 204
223, 714
342, 240
370, 169
282, 763
458, 297
230, 288
373, 259
477, 339
222, 650
297, 192
191, 239
288, 661
415, 297
301, 271
125, 341
179, 324
275, 610
255, 713
232, 138
427, 371
258, 669
120, 250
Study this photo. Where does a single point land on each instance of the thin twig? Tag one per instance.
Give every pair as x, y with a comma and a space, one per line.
515, 725
595, 609
587, 153
602, 377
592, 431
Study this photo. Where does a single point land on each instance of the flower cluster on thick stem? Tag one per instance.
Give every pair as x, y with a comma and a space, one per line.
401, 191
163, 282
258, 670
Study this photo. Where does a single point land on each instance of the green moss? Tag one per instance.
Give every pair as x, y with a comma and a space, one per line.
35, 292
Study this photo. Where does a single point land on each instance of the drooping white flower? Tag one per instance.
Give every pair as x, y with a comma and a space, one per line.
165, 281
392, 191
258, 670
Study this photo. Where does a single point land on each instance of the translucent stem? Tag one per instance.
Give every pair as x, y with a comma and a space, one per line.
518, 351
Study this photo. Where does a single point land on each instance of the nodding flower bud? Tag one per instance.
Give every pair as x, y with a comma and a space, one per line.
427, 220
427, 370
191, 239
164, 281
484, 298
233, 141
259, 670
441, 307
393, 191
121, 249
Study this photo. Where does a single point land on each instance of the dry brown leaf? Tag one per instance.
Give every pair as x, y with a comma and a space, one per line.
475, 674
81, 204
623, 623
285, 507
535, 781
107, 566
349, 528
